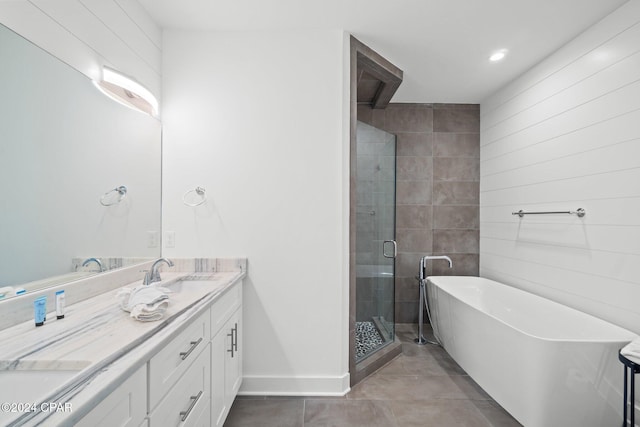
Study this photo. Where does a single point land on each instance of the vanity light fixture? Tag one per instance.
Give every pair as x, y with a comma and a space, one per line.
127, 91
498, 55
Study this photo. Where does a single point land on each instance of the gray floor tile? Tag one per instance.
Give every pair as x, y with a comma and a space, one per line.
348, 413
266, 413
422, 387
438, 413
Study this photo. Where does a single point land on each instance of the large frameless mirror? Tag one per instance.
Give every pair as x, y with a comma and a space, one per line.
79, 174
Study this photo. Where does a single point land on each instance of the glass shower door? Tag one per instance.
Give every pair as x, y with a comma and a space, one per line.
375, 239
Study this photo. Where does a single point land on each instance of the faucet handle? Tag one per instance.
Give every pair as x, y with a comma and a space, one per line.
147, 278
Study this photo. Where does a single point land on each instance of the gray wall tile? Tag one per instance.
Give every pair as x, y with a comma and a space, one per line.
456, 193
456, 169
437, 191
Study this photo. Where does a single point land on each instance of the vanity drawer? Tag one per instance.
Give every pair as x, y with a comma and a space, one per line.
166, 367
225, 306
184, 405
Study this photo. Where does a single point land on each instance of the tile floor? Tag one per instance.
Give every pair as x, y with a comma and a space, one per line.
422, 387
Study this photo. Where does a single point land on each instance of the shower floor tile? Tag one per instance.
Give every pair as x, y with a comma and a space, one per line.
368, 339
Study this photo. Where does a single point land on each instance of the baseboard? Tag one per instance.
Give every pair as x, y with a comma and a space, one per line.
294, 386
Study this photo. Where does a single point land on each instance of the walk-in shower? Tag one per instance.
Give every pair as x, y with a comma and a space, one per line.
375, 239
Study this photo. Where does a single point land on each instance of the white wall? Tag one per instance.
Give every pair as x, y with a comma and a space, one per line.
562, 136
260, 120
88, 34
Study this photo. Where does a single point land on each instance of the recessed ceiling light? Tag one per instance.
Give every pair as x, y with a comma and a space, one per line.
498, 55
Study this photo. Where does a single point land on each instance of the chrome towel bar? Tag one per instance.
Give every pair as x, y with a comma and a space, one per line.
580, 212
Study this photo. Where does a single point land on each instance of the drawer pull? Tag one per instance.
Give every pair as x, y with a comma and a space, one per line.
234, 340
194, 400
194, 344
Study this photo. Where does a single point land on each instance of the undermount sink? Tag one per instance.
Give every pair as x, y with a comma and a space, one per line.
28, 387
178, 285
23, 385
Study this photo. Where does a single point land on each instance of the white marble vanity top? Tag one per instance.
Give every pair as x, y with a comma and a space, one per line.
101, 342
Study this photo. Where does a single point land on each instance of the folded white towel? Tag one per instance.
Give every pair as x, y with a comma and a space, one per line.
144, 303
632, 351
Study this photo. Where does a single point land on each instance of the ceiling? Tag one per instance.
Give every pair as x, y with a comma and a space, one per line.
441, 45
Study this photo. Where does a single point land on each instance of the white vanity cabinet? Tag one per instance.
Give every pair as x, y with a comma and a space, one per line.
226, 354
191, 380
171, 363
126, 406
189, 398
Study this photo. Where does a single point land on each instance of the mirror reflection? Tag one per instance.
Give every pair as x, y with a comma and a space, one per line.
66, 154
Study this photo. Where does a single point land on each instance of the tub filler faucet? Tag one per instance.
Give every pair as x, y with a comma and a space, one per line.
421, 340
153, 275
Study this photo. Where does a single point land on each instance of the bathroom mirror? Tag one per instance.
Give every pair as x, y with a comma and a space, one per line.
63, 146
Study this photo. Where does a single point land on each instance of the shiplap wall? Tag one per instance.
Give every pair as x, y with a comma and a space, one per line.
87, 34
566, 135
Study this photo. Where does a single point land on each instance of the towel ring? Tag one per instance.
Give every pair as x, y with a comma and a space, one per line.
122, 193
200, 192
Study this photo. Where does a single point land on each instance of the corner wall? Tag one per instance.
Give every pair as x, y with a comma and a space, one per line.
258, 120
563, 136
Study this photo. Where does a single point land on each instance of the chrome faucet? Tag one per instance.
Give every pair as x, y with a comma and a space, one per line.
153, 275
90, 260
421, 340
423, 263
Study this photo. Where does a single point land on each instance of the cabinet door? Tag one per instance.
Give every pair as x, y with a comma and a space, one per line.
219, 346
126, 406
233, 362
226, 367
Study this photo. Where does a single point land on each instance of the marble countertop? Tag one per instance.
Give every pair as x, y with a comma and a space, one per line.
101, 342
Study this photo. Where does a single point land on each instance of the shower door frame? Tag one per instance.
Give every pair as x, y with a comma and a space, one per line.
364, 58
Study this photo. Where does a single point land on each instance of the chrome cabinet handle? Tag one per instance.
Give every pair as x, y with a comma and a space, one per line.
235, 331
395, 249
234, 340
230, 350
194, 344
194, 400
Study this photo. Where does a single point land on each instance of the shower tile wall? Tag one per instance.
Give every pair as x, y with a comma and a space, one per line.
437, 200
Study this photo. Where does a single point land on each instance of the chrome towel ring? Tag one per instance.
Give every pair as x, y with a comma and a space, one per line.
199, 191
121, 194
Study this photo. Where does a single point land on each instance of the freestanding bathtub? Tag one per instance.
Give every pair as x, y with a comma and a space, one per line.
547, 364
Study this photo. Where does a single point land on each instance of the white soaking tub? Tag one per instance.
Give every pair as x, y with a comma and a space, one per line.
546, 364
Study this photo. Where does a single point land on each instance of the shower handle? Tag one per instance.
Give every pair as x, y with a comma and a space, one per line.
395, 249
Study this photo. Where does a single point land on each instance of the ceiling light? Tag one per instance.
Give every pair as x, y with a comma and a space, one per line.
127, 91
498, 55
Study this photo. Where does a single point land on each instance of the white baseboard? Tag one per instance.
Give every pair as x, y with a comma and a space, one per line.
294, 386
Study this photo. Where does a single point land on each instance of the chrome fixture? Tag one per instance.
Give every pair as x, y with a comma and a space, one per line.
90, 260
121, 191
421, 340
580, 212
199, 191
153, 275
394, 246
